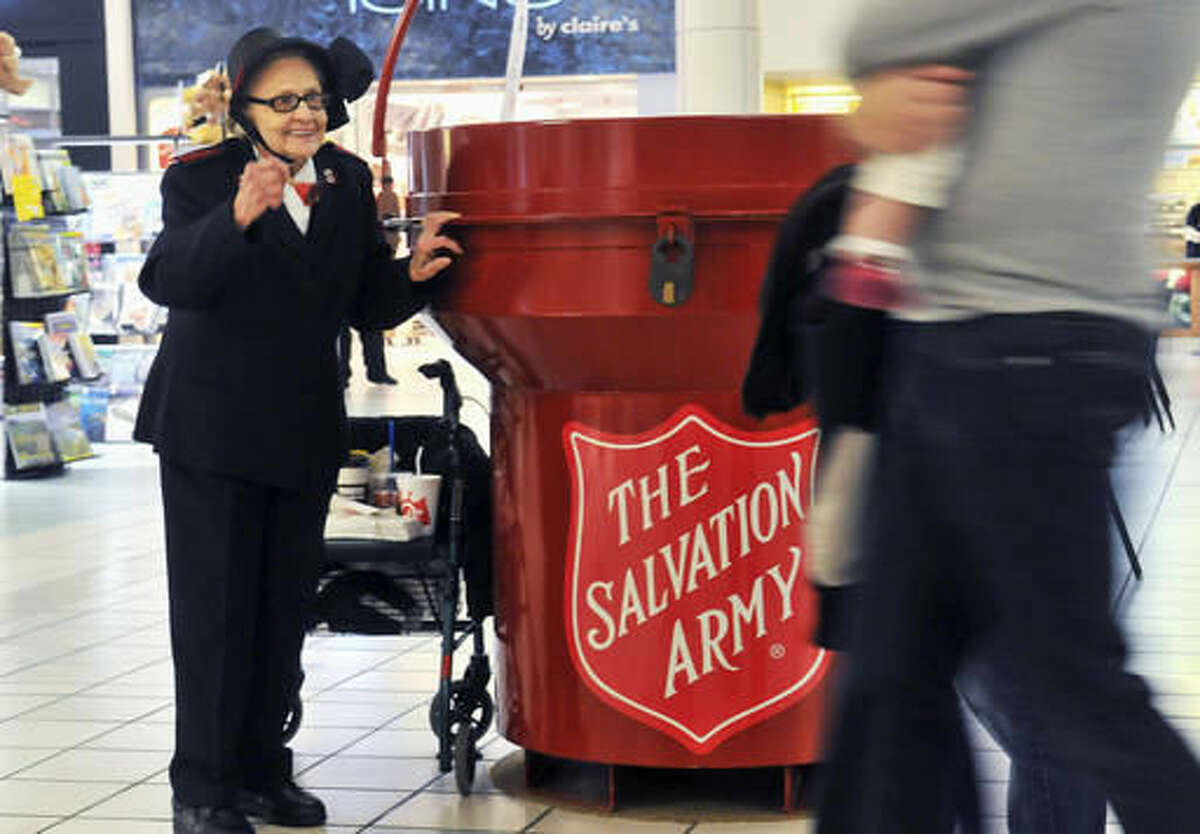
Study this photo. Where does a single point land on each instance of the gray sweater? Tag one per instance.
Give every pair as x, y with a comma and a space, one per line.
1073, 104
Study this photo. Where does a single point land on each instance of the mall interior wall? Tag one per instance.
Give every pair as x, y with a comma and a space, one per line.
725, 48
717, 56
74, 32
803, 40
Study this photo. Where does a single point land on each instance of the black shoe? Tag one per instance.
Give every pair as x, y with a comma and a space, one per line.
192, 819
382, 380
286, 804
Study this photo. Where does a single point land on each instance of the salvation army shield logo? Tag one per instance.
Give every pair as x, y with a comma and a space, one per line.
686, 604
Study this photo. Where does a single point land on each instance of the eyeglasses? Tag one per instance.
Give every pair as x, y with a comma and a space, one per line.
288, 102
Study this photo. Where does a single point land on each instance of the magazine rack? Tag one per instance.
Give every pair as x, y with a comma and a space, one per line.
23, 309
16, 392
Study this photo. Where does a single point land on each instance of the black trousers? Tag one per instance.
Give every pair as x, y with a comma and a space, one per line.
242, 561
373, 355
988, 548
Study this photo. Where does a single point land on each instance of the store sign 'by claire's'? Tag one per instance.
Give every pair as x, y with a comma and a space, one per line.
545, 28
449, 38
397, 6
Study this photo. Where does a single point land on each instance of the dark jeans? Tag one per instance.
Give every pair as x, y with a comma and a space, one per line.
1042, 798
242, 564
988, 543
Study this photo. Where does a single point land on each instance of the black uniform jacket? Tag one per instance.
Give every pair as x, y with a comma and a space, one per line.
246, 382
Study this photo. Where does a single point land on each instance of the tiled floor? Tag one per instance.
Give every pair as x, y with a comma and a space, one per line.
85, 675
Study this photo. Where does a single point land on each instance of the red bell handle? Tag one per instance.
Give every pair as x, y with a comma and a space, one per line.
378, 139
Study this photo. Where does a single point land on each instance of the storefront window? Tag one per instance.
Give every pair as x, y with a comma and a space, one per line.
1175, 218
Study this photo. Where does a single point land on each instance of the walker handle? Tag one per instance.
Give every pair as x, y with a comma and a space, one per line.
451, 398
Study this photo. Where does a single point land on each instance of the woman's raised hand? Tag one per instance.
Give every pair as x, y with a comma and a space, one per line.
259, 189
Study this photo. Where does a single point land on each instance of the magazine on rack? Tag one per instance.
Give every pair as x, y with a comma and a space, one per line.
115, 295
64, 329
34, 268
72, 260
135, 312
55, 364
67, 431
53, 162
104, 308
71, 180
17, 157
27, 356
93, 412
29, 436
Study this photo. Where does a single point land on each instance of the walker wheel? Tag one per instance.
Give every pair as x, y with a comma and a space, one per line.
465, 757
466, 704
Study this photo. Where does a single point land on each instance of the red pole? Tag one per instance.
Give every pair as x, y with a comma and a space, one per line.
378, 141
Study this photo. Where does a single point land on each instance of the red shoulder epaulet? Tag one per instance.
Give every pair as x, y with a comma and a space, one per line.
199, 154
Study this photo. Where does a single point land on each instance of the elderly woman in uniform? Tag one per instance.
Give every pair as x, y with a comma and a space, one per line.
270, 242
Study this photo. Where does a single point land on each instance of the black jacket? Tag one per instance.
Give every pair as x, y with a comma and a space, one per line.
780, 373
246, 382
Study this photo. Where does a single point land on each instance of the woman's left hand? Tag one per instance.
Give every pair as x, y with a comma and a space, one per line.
429, 255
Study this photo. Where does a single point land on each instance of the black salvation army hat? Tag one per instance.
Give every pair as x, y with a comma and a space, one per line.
346, 72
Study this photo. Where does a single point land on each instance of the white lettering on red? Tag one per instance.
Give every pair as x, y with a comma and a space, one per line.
740, 613
756, 501
789, 489
648, 495
708, 642
600, 643
657, 604
711, 642
785, 586
618, 494
721, 522
631, 604
686, 496
680, 660
701, 559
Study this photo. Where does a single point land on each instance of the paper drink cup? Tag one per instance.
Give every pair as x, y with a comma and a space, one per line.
417, 498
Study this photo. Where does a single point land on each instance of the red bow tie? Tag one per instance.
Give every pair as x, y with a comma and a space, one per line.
307, 191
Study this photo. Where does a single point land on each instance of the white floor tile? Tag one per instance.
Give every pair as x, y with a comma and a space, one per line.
13, 759
84, 765
560, 821
51, 798
136, 737
150, 801
324, 740
358, 807
395, 681
445, 783
362, 715
487, 812
87, 707
12, 687
414, 719
79, 825
371, 773
15, 705
50, 734
396, 743
25, 825
799, 825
